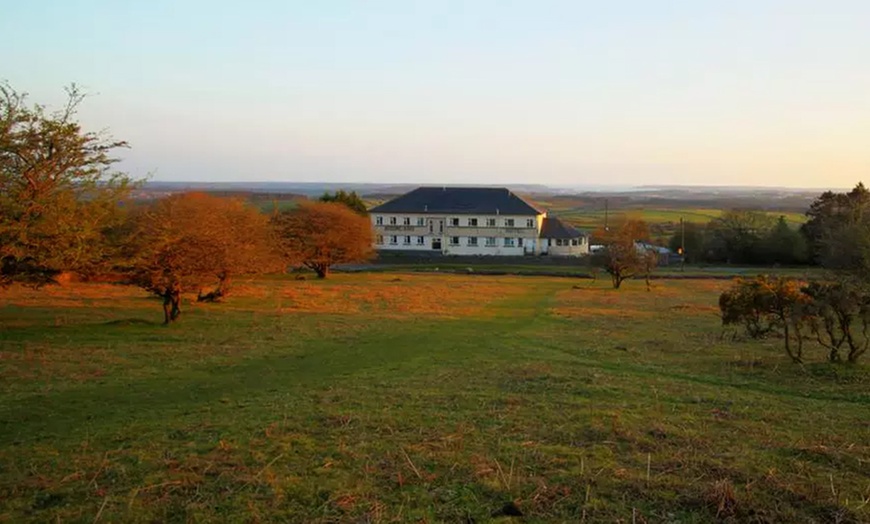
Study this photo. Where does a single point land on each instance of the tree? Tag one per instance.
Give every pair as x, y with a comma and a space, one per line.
351, 200
695, 243
189, 240
737, 237
58, 191
784, 245
838, 230
623, 257
319, 235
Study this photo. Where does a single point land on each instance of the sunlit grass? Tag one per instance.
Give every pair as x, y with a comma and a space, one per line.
418, 397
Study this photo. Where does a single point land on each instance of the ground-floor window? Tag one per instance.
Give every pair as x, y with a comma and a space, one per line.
420, 241
519, 242
573, 241
394, 240
472, 241
407, 240
380, 239
490, 241
509, 242
454, 241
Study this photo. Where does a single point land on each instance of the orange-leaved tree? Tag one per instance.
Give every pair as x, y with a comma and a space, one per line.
622, 257
186, 241
319, 235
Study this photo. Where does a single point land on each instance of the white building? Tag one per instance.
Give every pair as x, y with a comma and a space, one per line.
472, 221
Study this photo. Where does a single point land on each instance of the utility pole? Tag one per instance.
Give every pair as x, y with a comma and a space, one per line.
605, 216
682, 244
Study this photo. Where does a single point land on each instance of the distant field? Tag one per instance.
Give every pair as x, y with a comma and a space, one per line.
592, 219
419, 398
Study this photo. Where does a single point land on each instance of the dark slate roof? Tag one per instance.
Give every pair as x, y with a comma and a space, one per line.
459, 200
555, 228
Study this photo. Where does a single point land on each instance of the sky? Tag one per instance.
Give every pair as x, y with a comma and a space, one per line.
572, 92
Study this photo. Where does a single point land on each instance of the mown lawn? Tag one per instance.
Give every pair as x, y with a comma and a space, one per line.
419, 398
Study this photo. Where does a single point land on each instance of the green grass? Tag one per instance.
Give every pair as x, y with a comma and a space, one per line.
665, 217
408, 398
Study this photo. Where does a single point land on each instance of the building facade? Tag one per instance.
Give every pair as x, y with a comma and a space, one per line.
471, 221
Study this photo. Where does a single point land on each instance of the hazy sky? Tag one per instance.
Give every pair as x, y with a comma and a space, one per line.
749, 92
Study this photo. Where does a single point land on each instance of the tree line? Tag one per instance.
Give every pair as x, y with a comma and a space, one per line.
65, 208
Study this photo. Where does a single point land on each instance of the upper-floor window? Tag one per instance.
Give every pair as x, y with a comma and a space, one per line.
490, 222
454, 222
379, 220
530, 222
392, 221
421, 221
508, 222
472, 222
407, 221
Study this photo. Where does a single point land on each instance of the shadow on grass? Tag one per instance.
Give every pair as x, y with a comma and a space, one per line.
132, 322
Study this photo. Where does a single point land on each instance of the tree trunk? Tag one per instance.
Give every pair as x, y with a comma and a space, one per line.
171, 303
322, 271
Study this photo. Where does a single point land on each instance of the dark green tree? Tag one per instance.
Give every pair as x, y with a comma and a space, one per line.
695, 242
351, 200
785, 245
737, 237
838, 230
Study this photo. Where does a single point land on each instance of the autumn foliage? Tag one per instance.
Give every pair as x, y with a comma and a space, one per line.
188, 241
319, 235
622, 258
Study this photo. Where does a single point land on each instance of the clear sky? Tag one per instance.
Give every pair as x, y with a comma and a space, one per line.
616, 92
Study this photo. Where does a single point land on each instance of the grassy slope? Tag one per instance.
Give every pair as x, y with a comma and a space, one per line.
430, 397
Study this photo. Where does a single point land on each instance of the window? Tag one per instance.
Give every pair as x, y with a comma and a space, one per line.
407, 240
420, 241
472, 241
407, 221
454, 241
490, 241
490, 222
421, 221
392, 221
472, 222
394, 240
530, 222
454, 222
379, 220
380, 240
508, 222
508, 242
573, 241
519, 242
559, 242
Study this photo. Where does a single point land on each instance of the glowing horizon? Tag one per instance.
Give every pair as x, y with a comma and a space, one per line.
746, 93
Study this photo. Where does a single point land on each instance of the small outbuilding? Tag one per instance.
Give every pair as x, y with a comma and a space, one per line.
561, 239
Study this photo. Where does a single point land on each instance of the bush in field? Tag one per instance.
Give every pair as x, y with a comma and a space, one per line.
58, 191
840, 317
189, 240
766, 305
836, 312
319, 235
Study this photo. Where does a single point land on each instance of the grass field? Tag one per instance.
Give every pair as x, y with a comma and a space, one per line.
594, 218
419, 398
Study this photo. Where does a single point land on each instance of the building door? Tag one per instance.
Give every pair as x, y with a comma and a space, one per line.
436, 243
